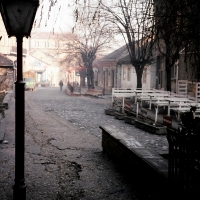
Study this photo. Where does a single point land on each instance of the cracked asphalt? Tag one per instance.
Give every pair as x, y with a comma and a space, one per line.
63, 153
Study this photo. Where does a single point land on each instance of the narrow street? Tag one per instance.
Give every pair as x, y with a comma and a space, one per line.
63, 154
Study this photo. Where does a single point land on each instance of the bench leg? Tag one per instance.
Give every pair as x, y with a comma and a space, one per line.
156, 114
150, 103
122, 104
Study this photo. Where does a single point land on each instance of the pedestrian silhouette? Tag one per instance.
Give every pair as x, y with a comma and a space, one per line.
61, 84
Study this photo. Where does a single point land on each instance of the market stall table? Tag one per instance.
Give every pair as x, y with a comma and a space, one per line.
137, 92
155, 96
177, 100
123, 96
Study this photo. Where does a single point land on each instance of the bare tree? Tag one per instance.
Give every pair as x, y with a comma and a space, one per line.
177, 30
134, 20
97, 22
92, 34
168, 34
190, 16
73, 59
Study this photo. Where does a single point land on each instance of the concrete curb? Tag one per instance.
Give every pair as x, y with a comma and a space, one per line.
2, 130
7, 99
5, 104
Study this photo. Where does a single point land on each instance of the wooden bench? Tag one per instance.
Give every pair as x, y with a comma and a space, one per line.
151, 96
119, 95
184, 107
161, 102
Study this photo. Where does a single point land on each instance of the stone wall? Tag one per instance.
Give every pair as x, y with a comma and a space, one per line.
6, 79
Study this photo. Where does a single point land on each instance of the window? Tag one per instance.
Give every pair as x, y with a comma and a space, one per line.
129, 74
106, 77
46, 44
124, 73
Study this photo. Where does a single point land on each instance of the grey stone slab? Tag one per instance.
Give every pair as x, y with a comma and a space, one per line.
145, 153
115, 132
131, 143
159, 164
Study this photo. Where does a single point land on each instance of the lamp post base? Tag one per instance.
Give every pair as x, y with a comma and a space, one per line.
19, 190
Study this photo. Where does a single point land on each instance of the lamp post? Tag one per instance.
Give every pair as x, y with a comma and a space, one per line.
18, 17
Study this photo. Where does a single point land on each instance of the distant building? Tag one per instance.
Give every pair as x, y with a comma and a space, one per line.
116, 71
42, 53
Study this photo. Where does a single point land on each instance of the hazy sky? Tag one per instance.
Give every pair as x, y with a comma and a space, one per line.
60, 19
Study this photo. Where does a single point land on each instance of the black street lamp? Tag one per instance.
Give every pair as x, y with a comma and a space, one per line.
18, 17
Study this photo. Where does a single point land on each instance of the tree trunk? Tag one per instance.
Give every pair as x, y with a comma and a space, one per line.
82, 81
168, 73
82, 73
139, 71
90, 78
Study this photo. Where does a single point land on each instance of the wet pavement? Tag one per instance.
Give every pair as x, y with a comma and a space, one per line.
64, 158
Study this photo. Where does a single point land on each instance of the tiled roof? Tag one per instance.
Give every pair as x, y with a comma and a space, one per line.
4, 61
125, 60
120, 55
115, 55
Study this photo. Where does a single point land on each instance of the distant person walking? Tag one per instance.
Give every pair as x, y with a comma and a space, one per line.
61, 84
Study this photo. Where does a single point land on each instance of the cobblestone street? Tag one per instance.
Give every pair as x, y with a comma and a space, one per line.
63, 153
87, 113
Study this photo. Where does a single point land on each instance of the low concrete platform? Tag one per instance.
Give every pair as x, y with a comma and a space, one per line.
126, 148
148, 168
